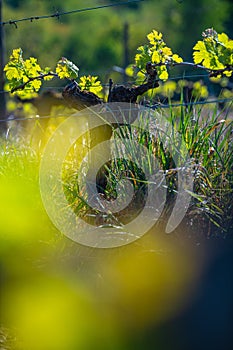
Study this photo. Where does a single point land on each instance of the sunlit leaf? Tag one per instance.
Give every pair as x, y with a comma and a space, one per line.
36, 84
163, 75
215, 52
154, 36
156, 52
67, 69
90, 83
176, 58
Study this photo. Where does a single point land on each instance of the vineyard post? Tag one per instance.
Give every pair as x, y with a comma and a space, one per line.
125, 48
2, 95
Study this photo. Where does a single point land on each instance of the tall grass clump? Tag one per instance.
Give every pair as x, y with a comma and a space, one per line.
206, 133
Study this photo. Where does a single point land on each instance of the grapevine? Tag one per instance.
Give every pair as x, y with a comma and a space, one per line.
24, 77
158, 53
214, 53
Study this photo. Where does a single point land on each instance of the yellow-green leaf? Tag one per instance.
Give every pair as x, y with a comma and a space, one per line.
155, 57
176, 58
67, 69
163, 75
16, 54
62, 71
36, 84
12, 73
154, 36
130, 70
91, 84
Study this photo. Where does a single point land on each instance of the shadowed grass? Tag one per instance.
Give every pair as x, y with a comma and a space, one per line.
206, 135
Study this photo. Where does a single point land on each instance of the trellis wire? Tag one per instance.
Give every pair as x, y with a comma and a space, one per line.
186, 104
154, 106
183, 77
64, 13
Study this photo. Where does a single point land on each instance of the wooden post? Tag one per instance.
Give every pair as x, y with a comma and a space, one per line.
126, 48
2, 57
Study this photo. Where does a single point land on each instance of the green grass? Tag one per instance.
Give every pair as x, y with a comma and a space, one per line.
206, 134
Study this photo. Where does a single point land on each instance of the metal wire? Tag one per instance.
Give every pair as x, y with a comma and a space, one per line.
158, 105
64, 13
183, 77
155, 106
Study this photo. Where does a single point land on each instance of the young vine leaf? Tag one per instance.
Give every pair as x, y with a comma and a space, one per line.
215, 52
158, 53
24, 76
90, 83
66, 69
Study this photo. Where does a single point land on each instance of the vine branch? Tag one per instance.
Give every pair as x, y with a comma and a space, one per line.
30, 79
